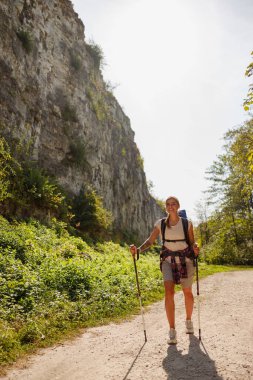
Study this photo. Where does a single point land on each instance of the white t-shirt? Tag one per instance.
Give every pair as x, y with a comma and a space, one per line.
174, 233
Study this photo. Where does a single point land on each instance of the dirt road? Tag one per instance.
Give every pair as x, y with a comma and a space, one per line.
118, 352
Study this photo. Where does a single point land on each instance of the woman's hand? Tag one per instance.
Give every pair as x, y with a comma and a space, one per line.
133, 250
195, 248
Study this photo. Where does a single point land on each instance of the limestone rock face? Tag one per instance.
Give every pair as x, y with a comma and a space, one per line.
53, 101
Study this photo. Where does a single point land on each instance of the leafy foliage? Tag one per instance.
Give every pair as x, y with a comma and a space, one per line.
26, 190
50, 284
78, 153
8, 170
75, 60
248, 102
90, 215
26, 39
230, 228
96, 53
37, 186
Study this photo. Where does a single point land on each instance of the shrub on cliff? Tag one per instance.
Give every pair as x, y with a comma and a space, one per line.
78, 154
25, 189
96, 53
75, 60
26, 39
38, 188
90, 216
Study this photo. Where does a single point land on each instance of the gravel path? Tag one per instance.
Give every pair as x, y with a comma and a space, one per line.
118, 352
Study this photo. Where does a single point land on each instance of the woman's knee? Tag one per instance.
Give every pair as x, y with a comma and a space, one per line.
188, 292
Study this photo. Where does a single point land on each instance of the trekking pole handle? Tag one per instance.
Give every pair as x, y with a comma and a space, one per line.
136, 251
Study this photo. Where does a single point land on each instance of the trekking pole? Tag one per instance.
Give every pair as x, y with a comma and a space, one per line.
139, 296
197, 279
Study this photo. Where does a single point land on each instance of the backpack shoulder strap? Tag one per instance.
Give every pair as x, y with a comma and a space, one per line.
185, 227
163, 228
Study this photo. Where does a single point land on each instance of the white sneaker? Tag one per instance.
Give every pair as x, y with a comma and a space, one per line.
172, 337
189, 326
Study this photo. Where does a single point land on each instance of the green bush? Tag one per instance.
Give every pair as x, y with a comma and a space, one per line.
96, 53
25, 188
75, 60
26, 39
28, 192
40, 188
30, 333
60, 282
78, 152
69, 276
13, 242
9, 343
8, 170
89, 214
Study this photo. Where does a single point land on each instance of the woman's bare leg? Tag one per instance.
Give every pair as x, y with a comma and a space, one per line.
169, 302
189, 301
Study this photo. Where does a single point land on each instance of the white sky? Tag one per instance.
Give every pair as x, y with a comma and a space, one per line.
180, 68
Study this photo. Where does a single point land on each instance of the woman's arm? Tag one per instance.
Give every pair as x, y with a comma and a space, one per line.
192, 240
147, 243
152, 238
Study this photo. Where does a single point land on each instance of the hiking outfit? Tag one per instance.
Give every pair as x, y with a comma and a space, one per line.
177, 261
176, 257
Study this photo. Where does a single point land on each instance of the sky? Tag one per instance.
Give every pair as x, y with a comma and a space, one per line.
179, 71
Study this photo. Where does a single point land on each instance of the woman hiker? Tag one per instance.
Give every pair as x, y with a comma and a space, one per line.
177, 265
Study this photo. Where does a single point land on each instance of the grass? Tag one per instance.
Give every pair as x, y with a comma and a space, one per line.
209, 269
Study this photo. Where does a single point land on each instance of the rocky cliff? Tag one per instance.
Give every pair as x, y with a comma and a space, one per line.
54, 100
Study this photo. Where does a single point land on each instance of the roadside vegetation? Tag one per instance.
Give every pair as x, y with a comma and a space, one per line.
52, 284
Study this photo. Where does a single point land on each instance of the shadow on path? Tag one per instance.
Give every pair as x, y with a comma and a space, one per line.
125, 378
194, 365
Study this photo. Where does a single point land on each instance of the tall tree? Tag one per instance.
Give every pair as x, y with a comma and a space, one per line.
248, 102
231, 190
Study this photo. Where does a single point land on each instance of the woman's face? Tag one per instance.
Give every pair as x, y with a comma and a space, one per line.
172, 205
